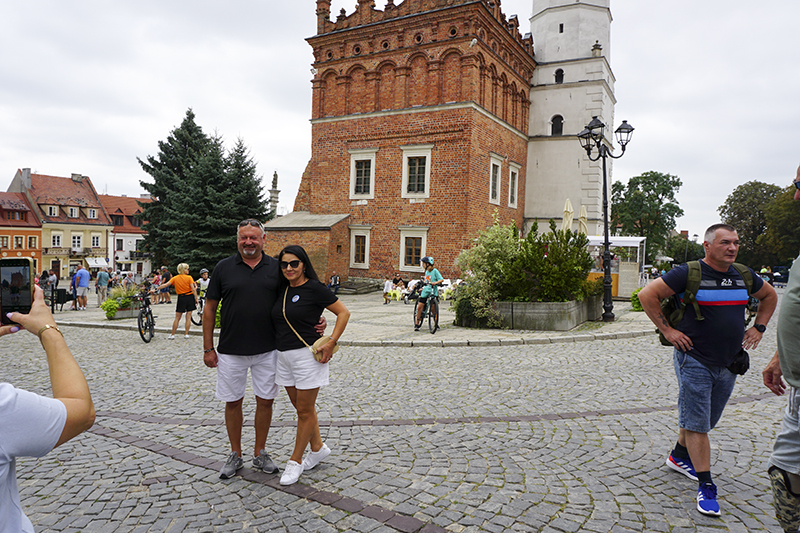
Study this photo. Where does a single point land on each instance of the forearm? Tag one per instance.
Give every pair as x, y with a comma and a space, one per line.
766, 308
341, 324
209, 321
66, 377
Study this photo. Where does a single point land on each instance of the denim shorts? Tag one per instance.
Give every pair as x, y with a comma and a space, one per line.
786, 454
703, 392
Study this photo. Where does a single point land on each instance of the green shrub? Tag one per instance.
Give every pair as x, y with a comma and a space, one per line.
552, 267
110, 307
636, 305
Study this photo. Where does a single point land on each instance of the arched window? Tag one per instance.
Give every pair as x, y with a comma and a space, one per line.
558, 125
559, 76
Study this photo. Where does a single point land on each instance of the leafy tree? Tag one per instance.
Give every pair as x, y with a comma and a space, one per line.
783, 227
646, 207
679, 247
746, 210
200, 194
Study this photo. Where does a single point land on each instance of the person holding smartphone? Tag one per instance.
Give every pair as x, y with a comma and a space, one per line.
31, 425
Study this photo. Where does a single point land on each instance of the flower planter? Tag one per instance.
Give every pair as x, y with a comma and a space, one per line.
128, 312
549, 316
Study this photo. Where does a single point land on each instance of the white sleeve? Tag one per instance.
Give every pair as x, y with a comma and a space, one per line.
30, 425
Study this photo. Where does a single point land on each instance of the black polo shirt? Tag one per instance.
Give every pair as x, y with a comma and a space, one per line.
247, 296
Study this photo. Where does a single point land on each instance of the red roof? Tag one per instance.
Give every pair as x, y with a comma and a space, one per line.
76, 191
14, 201
124, 206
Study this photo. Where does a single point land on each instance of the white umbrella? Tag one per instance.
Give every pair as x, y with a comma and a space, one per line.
583, 223
566, 222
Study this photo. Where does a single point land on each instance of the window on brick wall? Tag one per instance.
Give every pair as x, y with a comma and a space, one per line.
495, 164
362, 174
413, 241
32, 241
3, 242
19, 242
416, 171
513, 184
359, 246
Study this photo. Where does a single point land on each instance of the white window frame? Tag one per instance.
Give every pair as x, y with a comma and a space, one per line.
73, 212
18, 239
33, 242
92, 213
55, 240
419, 150
96, 239
119, 245
79, 238
513, 187
412, 231
366, 154
52, 210
361, 231
495, 161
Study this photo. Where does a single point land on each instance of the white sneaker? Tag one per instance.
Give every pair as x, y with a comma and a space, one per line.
313, 458
291, 473
186, 336
171, 338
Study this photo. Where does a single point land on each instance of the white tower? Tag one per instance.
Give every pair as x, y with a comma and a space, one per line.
571, 83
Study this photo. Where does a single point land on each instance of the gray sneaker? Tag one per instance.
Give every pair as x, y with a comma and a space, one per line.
232, 464
264, 463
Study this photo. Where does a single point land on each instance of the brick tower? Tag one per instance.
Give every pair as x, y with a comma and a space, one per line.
419, 135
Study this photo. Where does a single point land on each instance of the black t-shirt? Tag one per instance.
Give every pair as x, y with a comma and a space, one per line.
166, 276
247, 296
304, 305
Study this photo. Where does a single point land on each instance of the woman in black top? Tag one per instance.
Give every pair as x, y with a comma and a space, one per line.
301, 300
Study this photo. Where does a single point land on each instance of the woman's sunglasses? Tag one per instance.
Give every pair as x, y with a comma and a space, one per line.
287, 264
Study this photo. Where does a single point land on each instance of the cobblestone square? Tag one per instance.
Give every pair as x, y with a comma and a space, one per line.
564, 434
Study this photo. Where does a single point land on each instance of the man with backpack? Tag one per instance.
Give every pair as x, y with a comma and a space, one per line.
784, 470
708, 333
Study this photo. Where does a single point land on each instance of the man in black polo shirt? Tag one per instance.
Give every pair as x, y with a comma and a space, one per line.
248, 283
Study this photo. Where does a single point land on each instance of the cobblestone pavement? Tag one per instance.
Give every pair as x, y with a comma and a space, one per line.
564, 436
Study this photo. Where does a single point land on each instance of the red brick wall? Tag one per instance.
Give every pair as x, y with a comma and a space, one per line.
327, 249
417, 61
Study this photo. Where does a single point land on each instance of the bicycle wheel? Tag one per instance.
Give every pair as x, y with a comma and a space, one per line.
197, 316
433, 316
146, 325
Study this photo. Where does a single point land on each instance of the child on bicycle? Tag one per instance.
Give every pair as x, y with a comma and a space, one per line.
432, 280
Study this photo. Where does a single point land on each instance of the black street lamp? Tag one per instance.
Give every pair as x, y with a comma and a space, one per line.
594, 136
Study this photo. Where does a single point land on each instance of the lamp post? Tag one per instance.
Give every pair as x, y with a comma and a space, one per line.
593, 136
686, 252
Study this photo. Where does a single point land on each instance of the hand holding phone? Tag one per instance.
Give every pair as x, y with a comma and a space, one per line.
16, 287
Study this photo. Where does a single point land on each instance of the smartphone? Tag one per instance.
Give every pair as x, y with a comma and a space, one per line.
16, 286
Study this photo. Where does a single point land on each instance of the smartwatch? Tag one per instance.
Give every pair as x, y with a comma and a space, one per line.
761, 328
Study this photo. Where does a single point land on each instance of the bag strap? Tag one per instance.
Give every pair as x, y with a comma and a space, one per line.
747, 276
692, 286
290, 324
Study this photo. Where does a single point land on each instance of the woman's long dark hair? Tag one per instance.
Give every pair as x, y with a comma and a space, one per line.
301, 254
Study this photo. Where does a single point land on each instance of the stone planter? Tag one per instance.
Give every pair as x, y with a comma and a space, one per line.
128, 312
549, 316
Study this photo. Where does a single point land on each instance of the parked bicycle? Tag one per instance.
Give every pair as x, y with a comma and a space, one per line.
429, 311
147, 322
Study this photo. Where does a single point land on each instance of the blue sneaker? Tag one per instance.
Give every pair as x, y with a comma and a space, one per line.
707, 499
684, 466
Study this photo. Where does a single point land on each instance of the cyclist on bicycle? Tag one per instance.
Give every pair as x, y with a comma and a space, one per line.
202, 282
432, 280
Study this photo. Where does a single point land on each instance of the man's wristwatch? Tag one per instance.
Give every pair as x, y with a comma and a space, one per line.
761, 328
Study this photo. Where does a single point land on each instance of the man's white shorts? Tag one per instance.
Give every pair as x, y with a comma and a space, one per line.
298, 368
81, 291
232, 375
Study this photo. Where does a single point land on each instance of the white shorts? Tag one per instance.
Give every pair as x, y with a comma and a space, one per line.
298, 368
232, 375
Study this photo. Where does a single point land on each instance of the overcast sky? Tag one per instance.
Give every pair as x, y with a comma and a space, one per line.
87, 86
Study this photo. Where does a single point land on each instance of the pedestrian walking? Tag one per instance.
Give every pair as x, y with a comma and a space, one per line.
101, 285
705, 349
